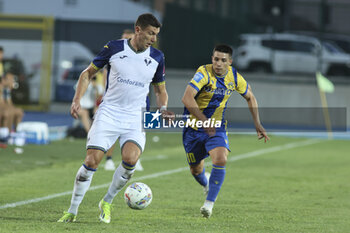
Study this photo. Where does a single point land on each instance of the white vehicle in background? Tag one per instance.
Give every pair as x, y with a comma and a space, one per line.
65, 55
340, 40
282, 52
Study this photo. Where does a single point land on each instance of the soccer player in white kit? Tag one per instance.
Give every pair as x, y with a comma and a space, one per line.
132, 65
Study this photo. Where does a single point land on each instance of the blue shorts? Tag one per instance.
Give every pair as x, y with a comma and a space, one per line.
197, 144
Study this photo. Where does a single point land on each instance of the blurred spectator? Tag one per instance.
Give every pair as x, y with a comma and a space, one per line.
4, 111
4, 117
127, 34
1, 62
4, 132
88, 102
11, 115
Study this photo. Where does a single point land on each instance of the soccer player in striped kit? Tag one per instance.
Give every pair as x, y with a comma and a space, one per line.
205, 98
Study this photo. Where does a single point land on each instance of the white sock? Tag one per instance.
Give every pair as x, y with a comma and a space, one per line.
209, 204
81, 185
120, 178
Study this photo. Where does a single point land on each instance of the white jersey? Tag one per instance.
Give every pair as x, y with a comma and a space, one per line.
129, 76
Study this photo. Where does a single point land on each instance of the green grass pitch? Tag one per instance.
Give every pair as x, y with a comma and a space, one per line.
286, 185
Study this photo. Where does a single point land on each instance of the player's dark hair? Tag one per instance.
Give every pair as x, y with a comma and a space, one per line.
1, 49
146, 20
223, 48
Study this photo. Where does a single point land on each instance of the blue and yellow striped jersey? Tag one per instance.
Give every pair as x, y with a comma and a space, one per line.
214, 91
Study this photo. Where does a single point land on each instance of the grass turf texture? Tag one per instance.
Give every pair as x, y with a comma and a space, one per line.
302, 189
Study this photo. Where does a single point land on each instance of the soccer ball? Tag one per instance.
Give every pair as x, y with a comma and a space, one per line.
138, 196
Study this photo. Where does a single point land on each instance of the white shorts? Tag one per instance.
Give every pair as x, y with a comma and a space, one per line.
104, 133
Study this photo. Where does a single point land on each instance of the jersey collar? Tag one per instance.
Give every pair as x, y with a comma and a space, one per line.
216, 76
133, 48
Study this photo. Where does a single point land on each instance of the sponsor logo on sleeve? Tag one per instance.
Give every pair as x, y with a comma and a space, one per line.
198, 77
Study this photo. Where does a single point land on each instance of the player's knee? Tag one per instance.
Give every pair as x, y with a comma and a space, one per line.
196, 170
132, 160
220, 160
130, 156
91, 161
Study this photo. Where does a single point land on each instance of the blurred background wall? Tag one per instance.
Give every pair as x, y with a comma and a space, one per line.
195, 25
190, 30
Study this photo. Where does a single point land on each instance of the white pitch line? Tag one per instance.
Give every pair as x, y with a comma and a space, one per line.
273, 149
169, 172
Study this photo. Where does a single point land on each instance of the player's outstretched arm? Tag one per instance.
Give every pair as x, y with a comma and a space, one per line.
83, 83
253, 107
